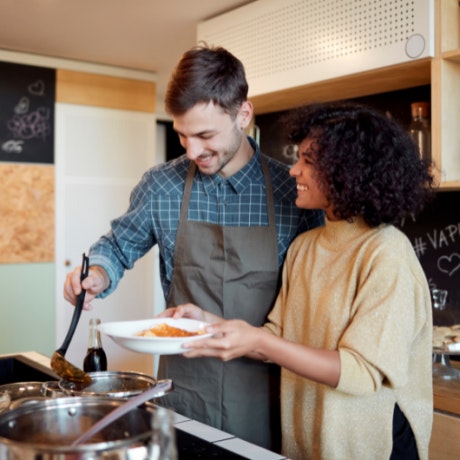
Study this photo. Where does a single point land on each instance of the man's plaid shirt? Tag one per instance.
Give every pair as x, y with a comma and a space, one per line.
154, 210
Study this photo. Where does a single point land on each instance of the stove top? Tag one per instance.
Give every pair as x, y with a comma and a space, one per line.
17, 368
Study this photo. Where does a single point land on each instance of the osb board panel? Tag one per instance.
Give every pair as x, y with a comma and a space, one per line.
104, 91
26, 213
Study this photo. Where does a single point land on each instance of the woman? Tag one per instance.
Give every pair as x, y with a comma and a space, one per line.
352, 325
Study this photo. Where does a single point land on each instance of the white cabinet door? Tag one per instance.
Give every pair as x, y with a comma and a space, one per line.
100, 155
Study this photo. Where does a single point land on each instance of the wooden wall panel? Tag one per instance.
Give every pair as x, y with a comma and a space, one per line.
104, 91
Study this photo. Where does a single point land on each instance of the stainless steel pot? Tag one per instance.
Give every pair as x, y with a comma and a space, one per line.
51, 390
114, 384
12, 394
20, 390
46, 429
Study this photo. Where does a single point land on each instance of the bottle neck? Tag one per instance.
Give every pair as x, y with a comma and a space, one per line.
419, 117
419, 112
94, 340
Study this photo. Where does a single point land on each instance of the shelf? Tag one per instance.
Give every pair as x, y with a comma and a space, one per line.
391, 78
451, 55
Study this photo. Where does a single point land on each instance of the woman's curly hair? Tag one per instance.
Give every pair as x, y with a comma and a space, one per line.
366, 163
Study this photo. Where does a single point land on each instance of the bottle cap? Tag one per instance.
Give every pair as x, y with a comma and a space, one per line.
420, 109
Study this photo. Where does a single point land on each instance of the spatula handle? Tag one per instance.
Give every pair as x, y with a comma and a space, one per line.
78, 308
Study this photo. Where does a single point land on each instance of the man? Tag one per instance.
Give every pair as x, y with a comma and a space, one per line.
223, 217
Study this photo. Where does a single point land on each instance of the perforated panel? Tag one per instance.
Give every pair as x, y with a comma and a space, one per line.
301, 41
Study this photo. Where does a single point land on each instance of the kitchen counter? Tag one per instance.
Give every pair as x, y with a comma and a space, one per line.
197, 439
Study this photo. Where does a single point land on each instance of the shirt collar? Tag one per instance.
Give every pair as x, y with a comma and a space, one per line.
249, 174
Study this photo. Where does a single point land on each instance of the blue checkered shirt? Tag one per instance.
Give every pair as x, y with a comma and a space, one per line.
154, 210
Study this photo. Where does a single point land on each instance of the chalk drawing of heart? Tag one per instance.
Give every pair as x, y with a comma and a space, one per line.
449, 264
22, 106
37, 88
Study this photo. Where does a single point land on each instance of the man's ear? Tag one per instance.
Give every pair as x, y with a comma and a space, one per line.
245, 114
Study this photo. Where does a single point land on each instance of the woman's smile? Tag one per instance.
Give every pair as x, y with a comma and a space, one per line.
302, 188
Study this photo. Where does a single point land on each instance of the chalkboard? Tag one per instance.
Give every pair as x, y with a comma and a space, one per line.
27, 96
435, 236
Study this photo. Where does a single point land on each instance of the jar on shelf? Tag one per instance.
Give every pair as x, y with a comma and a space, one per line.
420, 129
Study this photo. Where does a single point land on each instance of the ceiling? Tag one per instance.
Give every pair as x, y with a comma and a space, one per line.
145, 35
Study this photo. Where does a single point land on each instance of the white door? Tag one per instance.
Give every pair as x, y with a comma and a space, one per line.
100, 155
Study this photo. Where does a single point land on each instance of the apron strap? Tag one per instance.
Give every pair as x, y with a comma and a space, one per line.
269, 194
180, 234
187, 191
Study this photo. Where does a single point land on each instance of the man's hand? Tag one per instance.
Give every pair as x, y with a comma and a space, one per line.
186, 310
96, 282
191, 311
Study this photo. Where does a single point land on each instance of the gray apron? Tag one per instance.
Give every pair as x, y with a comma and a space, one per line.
231, 272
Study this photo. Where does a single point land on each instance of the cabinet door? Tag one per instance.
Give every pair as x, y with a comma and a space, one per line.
100, 155
445, 441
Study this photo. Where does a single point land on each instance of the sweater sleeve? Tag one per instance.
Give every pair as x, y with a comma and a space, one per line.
389, 322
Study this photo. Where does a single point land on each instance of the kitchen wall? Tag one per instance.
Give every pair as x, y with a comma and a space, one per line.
27, 307
27, 97
435, 236
27, 280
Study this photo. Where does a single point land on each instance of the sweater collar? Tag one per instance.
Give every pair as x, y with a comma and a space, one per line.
342, 231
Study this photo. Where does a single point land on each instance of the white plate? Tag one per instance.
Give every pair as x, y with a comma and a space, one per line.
123, 333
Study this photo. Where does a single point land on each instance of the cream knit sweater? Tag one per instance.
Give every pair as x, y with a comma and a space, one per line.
362, 291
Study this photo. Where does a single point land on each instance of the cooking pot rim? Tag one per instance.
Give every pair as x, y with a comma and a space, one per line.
69, 403
78, 389
104, 446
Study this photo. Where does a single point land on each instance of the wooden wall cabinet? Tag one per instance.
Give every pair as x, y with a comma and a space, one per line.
445, 439
445, 94
445, 442
442, 72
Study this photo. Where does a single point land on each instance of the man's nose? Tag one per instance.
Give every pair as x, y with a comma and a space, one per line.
193, 148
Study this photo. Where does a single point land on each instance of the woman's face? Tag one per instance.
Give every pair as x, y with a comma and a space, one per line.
309, 193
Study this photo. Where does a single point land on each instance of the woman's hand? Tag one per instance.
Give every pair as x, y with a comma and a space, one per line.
231, 339
234, 338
